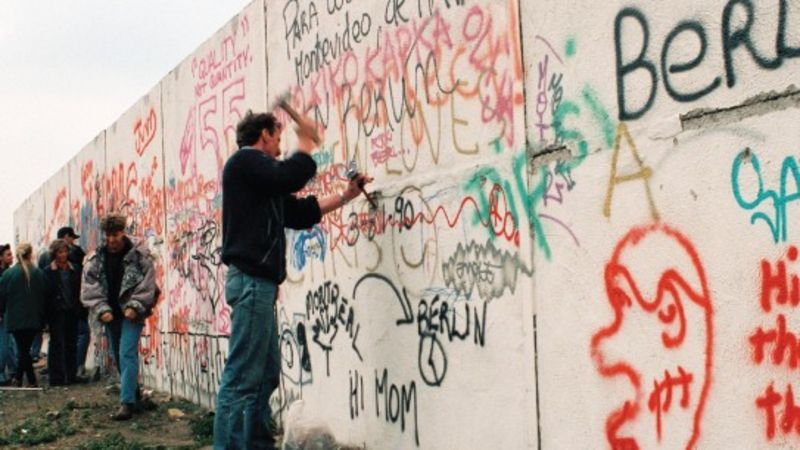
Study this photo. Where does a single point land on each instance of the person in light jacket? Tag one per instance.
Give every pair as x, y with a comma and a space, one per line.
120, 290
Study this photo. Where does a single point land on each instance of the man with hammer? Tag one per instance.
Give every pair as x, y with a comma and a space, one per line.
258, 202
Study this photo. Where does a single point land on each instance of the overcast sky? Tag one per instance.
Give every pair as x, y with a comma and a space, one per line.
69, 69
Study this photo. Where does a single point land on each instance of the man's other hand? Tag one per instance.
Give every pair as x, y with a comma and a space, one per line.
130, 313
309, 136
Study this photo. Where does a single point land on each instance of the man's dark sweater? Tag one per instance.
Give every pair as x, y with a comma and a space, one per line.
257, 203
114, 272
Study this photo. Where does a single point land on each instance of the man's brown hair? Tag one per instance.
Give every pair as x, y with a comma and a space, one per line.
248, 130
113, 222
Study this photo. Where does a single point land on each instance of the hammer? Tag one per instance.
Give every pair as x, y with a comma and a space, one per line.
283, 102
352, 174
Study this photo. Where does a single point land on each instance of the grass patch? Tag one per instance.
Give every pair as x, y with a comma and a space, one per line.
39, 430
202, 427
112, 441
116, 441
50, 427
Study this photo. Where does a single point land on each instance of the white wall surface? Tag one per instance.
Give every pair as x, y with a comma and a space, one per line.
584, 216
408, 308
87, 191
656, 289
56, 213
135, 186
203, 99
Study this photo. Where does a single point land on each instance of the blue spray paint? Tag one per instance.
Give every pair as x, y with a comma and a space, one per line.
776, 220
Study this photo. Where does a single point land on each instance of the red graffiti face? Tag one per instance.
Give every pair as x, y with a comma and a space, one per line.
658, 350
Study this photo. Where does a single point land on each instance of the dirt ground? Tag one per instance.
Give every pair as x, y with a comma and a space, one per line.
77, 417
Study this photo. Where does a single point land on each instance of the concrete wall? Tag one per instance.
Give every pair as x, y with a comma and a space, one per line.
203, 99
87, 191
29, 221
134, 184
664, 304
396, 318
583, 229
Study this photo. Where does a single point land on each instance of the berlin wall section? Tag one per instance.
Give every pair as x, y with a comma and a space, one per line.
670, 293
405, 325
583, 235
203, 99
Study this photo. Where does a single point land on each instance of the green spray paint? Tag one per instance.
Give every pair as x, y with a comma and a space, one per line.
607, 126
528, 199
600, 115
531, 199
571, 47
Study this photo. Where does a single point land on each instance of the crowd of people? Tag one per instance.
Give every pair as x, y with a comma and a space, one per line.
59, 292
35, 297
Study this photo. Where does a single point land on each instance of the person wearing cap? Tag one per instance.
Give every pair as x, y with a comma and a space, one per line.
76, 253
76, 256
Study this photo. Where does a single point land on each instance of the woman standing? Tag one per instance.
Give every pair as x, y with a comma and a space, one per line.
23, 292
63, 308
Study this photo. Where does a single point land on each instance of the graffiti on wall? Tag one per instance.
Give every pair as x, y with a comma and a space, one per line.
87, 205
776, 346
429, 97
395, 87
58, 213
391, 89
738, 43
211, 100
665, 304
769, 205
332, 314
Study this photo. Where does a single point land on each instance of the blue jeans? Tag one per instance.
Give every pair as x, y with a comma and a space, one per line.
84, 335
123, 337
253, 367
36, 348
8, 354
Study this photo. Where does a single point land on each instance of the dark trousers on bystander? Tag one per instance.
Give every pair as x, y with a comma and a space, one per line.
24, 339
62, 362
